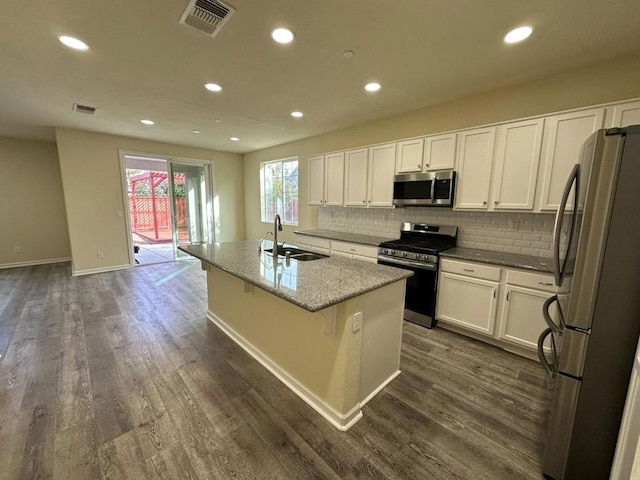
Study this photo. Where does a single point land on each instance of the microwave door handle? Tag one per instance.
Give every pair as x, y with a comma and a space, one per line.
549, 367
557, 227
433, 190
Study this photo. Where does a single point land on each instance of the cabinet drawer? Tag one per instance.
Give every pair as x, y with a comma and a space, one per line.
474, 270
538, 281
355, 249
313, 241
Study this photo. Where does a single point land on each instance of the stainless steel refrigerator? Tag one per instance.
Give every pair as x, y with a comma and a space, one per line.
594, 337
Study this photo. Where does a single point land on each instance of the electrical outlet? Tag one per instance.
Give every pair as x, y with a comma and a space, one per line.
357, 322
514, 224
17, 250
100, 254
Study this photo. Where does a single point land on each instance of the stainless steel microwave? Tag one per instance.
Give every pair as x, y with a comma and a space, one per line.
434, 189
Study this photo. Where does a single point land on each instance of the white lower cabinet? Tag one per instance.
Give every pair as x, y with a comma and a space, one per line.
314, 244
502, 305
355, 250
467, 302
521, 321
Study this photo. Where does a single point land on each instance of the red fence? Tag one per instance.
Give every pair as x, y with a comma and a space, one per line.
141, 214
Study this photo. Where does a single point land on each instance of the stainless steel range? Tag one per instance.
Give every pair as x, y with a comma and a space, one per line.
418, 250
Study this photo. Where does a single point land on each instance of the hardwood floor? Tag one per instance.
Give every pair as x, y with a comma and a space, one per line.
121, 376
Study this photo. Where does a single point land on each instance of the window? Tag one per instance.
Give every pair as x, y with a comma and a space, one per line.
279, 190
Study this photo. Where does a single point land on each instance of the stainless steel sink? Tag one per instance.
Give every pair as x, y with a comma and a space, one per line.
297, 253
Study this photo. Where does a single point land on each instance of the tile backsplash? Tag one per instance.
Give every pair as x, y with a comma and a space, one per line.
524, 233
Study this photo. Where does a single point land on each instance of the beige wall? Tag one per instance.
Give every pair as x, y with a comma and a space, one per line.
93, 193
615, 80
32, 215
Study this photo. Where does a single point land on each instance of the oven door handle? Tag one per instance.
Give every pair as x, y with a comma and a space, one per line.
409, 264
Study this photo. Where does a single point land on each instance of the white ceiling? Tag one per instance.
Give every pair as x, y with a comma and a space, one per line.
144, 64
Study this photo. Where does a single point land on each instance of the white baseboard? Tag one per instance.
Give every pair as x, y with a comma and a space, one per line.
35, 262
342, 421
89, 271
379, 389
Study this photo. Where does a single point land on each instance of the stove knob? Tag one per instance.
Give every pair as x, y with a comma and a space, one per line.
417, 256
392, 252
404, 254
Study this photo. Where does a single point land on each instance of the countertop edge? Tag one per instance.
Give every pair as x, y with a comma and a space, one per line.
372, 241
513, 260
277, 293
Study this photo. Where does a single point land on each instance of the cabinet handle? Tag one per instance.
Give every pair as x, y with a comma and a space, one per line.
494, 293
484, 203
468, 269
508, 293
369, 201
352, 249
420, 166
426, 165
364, 201
548, 284
496, 202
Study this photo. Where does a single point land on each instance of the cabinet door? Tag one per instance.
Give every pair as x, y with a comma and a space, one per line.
334, 179
315, 186
440, 152
356, 177
522, 320
409, 156
475, 158
626, 114
564, 136
382, 164
516, 165
467, 302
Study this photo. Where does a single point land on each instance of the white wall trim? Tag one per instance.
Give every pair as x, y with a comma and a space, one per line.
89, 271
379, 389
35, 262
341, 421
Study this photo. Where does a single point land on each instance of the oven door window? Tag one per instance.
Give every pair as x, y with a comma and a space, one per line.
420, 190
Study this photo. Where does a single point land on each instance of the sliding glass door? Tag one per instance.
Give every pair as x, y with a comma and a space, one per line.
190, 186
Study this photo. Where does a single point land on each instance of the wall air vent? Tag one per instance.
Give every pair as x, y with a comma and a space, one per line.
84, 109
206, 16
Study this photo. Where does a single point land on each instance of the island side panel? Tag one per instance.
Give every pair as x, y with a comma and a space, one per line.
293, 339
381, 338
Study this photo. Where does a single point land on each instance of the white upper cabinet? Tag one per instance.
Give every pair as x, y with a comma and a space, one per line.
563, 138
409, 156
516, 165
326, 179
475, 158
382, 163
334, 179
626, 114
440, 152
315, 175
356, 164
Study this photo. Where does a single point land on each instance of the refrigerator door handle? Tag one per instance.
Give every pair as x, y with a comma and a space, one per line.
550, 367
556, 327
574, 176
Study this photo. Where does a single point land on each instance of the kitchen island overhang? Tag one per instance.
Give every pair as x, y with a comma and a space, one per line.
329, 329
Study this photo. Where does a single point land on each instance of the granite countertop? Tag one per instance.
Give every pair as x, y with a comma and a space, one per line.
345, 237
312, 285
525, 262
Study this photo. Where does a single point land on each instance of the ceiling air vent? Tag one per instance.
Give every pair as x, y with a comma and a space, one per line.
84, 109
207, 16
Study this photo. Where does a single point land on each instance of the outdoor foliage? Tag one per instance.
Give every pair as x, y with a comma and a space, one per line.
279, 190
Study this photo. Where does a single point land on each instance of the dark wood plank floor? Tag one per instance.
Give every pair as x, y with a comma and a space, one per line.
121, 376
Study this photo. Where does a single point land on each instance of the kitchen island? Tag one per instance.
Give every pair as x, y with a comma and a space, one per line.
329, 329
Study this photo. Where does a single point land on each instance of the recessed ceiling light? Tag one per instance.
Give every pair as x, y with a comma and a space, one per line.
282, 35
147, 122
372, 87
213, 87
234, 139
218, 120
347, 53
297, 114
195, 131
73, 43
518, 34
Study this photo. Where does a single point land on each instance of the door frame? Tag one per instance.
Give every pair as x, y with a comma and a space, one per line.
209, 166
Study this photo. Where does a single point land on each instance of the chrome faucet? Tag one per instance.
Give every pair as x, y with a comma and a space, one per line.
277, 226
